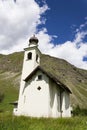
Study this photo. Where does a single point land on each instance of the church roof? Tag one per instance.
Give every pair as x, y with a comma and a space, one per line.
50, 75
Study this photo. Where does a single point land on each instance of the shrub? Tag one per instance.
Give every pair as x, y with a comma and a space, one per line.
77, 111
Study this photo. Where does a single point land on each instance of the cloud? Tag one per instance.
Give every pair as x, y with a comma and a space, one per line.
72, 51
18, 21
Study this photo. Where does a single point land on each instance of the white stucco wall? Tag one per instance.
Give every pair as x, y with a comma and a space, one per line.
54, 96
59, 101
34, 102
66, 104
28, 67
44, 102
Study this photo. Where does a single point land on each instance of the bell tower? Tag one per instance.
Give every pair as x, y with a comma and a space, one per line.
31, 61
31, 57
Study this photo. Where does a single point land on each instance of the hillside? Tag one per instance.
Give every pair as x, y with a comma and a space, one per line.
10, 73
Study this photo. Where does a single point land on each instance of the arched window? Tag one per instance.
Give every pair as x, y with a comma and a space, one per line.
37, 58
29, 56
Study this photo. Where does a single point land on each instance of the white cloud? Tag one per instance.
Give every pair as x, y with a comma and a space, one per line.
18, 21
72, 51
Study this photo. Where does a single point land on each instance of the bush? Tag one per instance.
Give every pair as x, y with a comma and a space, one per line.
77, 111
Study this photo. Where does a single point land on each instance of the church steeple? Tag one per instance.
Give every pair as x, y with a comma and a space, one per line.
33, 41
31, 57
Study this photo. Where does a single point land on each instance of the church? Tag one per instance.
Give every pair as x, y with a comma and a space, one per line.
41, 93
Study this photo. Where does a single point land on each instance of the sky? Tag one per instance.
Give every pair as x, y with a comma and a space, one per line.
60, 26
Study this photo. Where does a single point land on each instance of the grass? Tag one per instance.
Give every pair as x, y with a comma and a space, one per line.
9, 122
12, 62
9, 90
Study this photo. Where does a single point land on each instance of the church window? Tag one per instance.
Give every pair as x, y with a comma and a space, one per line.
39, 77
29, 56
37, 58
39, 88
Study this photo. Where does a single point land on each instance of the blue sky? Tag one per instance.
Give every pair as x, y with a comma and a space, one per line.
64, 17
60, 26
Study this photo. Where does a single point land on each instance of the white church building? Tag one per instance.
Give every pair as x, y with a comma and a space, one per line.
41, 93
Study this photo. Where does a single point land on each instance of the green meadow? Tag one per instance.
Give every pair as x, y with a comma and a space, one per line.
10, 122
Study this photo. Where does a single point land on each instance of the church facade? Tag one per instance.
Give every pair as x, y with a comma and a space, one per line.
41, 93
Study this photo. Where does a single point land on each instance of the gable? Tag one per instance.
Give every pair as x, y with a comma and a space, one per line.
38, 76
65, 88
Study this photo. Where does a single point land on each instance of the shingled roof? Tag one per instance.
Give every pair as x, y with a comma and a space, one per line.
59, 83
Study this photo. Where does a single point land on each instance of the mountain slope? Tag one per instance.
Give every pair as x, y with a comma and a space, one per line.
10, 73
